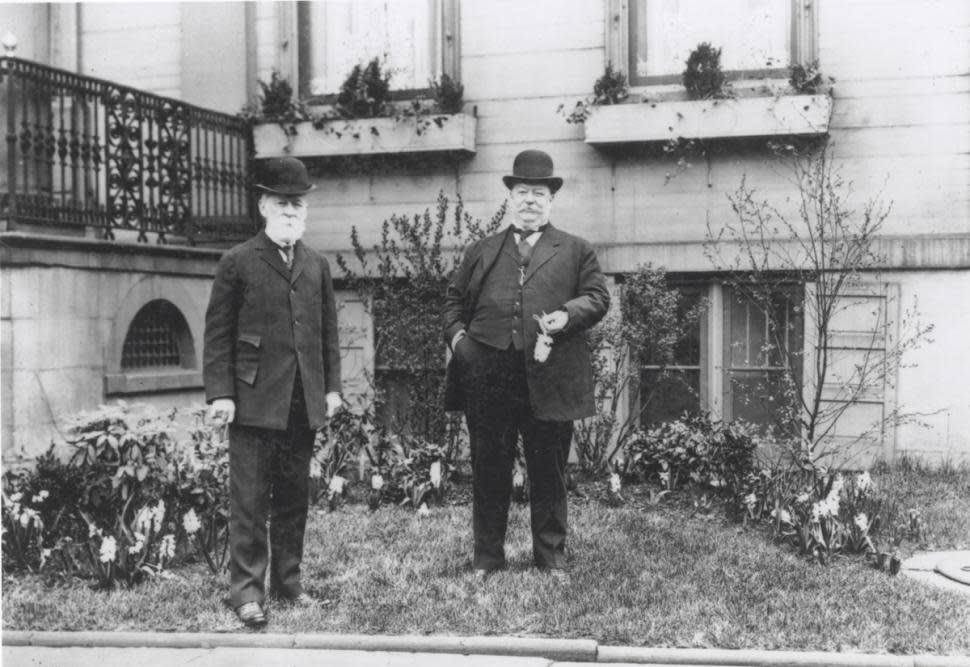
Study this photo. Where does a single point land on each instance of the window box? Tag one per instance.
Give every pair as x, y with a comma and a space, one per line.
783, 115
367, 136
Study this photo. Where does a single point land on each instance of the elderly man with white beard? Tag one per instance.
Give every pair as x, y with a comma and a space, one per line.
272, 373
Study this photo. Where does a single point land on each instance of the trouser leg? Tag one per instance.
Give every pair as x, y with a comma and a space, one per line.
290, 499
289, 503
250, 452
491, 416
546, 445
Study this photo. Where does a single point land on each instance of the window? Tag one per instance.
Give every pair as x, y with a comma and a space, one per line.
415, 39
759, 348
156, 339
669, 390
755, 36
734, 361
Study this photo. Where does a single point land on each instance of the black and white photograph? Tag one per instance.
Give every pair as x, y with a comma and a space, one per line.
534, 333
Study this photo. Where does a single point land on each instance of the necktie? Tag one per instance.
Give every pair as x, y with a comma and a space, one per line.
525, 248
526, 233
288, 255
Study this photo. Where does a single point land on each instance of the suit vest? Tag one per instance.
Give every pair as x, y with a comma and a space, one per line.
497, 320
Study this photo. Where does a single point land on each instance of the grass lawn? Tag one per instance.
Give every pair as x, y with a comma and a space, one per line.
657, 576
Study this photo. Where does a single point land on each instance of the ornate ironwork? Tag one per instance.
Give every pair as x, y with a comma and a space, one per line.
87, 153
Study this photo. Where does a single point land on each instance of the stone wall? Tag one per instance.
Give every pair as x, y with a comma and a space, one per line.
67, 305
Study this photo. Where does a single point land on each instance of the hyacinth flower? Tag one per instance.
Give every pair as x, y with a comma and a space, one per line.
335, 490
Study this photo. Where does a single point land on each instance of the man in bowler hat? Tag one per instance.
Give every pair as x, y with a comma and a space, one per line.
272, 372
515, 317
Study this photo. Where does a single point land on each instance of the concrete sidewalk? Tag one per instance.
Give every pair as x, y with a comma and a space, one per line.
146, 649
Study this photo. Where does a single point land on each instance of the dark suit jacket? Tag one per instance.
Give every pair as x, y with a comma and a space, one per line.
563, 274
263, 322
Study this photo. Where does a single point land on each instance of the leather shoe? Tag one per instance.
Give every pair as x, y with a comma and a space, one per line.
481, 574
251, 614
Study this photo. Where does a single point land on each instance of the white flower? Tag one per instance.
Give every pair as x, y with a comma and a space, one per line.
436, 474
45, 555
423, 510
316, 470
803, 498
158, 516
191, 522
93, 530
615, 483
25, 518
108, 549
41, 496
337, 484
864, 484
543, 347
377, 482
150, 518
751, 500
16, 497
782, 516
862, 522
837, 484
138, 545
166, 548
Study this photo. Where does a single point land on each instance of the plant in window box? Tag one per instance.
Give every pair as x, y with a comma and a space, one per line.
611, 88
448, 95
276, 103
808, 79
703, 77
365, 93
364, 121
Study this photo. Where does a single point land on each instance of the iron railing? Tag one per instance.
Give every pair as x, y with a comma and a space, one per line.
88, 153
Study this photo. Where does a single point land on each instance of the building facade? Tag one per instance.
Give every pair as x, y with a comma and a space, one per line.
897, 121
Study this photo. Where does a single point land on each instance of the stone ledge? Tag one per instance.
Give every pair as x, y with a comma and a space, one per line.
22, 249
141, 383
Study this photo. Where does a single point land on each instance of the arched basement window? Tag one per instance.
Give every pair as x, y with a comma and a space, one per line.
157, 339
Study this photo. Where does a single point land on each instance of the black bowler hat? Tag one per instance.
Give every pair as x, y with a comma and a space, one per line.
283, 176
533, 167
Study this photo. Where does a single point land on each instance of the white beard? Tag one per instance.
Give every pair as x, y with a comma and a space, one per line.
285, 230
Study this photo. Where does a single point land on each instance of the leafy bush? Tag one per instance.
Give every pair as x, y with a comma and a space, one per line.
652, 319
114, 508
402, 279
366, 92
127, 458
703, 77
694, 449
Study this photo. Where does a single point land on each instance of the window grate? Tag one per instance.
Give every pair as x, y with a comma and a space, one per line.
153, 338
